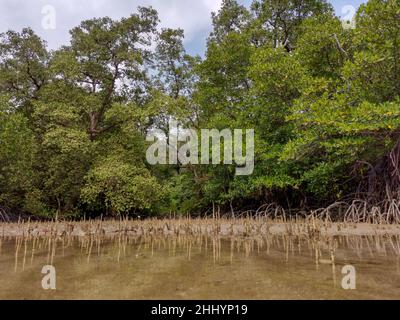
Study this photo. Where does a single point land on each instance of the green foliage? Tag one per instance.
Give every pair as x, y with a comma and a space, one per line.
324, 103
122, 186
17, 149
277, 22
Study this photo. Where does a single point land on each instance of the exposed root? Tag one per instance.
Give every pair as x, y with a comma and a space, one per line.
357, 211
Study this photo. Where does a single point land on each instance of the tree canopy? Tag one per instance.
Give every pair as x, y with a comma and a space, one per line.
323, 100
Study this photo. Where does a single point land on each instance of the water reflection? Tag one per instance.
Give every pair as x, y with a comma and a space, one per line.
200, 267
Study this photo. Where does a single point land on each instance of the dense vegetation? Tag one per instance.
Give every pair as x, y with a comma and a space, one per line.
324, 102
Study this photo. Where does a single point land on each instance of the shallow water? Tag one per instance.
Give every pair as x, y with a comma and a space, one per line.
275, 267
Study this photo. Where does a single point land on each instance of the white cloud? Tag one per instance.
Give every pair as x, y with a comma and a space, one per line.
191, 15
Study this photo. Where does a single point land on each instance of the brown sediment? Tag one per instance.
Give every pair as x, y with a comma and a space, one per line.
311, 228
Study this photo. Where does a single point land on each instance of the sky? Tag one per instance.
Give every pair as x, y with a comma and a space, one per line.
194, 16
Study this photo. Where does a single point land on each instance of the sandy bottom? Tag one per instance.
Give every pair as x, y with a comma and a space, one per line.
201, 267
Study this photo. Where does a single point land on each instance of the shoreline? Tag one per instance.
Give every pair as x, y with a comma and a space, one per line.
199, 227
